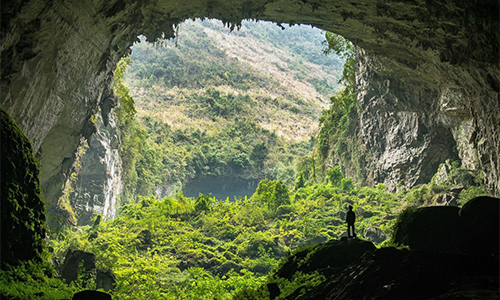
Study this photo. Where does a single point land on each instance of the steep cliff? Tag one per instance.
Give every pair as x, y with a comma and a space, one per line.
404, 127
99, 181
398, 135
58, 58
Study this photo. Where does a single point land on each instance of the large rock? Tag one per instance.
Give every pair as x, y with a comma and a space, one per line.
105, 279
78, 262
474, 229
430, 228
480, 219
325, 258
391, 274
91, 295
58, 60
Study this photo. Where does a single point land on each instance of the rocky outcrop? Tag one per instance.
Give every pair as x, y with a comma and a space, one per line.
392, 274
326, 258
473, 229
453, 255
22, 210
77, 263
58, 58
99, 180
81, 265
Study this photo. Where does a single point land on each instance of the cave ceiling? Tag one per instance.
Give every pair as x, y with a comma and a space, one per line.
58, 57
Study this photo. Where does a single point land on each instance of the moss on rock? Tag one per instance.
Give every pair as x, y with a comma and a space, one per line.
22, 205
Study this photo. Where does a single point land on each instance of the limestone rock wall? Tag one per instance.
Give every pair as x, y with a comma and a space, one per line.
57, 59
99, 180
411, 120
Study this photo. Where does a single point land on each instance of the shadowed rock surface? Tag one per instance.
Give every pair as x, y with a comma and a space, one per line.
451, 256
401, 274
326, 258
473, 229
22, 210
91, 295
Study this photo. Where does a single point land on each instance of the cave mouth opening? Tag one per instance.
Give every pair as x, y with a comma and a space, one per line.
205, 80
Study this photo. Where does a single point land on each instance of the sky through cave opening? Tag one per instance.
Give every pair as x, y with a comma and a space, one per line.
224, 109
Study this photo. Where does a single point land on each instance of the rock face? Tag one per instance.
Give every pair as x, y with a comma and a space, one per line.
99, 180
400, 274
58, 58
399, 128
22, 209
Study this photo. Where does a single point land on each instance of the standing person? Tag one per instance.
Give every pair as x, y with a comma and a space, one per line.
350, 219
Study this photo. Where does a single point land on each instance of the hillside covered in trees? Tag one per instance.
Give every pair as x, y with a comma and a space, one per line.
220, 110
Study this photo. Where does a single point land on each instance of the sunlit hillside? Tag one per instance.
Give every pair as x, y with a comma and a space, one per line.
283, 74
229, 107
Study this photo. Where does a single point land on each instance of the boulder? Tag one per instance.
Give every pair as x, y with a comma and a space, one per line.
433, 228
72, 262
326, 258
91, 295
480, 225
474, 229
105, 279
391, 274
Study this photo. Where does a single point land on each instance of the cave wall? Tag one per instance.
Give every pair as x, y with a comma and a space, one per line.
399, 130
22, 206
57, 59
99, 181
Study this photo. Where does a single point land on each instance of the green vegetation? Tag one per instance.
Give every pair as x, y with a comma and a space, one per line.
335, 138
35, 280
203, 107
451, 181
22, 205
205, 248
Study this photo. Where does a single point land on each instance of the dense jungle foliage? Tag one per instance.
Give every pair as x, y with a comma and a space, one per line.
207, 248
215, 103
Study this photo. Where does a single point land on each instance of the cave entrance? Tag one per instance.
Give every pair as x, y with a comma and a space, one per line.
225, 108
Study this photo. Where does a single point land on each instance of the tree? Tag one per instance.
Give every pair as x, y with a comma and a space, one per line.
334, 176
203, 202
273, 193
345, 49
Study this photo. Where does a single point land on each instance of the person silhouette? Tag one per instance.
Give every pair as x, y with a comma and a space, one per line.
350, 219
